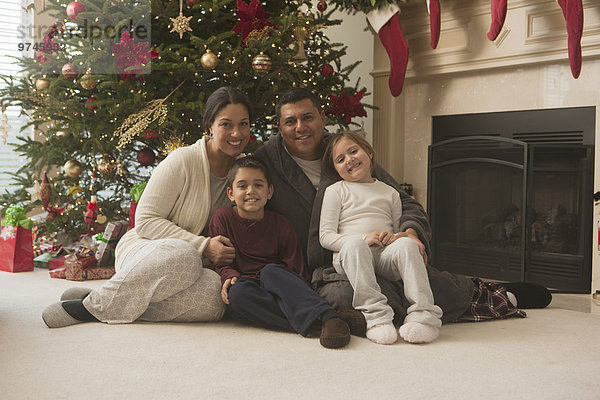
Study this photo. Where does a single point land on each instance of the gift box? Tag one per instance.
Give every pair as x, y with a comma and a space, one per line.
60, 273
16, 241
99, 273
75, 267
108, 242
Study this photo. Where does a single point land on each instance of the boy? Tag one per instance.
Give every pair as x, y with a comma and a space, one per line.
268, 283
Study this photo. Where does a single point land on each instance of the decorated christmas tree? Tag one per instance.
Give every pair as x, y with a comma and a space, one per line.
116, 85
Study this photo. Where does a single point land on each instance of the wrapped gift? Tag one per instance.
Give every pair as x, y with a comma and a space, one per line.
57, 262
16, 241
99, 272
75, 266
60, 273
42, 260
108, 242
136, 194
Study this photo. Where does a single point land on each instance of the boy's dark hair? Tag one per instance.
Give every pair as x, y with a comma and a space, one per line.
356, 137
221, 98
295, 95
247, 162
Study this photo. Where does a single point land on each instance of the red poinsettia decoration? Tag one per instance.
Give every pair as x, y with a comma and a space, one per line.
347, 106
253, 19
131, 54
48, 45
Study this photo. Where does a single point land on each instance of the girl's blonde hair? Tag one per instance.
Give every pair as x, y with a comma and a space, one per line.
356, 137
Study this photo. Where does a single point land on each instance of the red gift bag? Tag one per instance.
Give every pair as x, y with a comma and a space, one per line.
16, 249
132, 207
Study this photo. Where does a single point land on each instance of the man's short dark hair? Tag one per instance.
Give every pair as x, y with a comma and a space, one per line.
295, 95
247, 162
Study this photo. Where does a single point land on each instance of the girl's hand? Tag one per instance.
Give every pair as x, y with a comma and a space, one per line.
411, 233
225, 289
372, 239
220, 250
386, 238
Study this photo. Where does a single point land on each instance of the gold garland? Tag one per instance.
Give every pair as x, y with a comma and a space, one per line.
136, 123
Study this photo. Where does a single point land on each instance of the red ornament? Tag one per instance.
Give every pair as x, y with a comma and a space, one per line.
347, 106
91, 212
191, 2
90, 103
151, 133
73, 10
322, 6
70, 71
327, 70
146, 157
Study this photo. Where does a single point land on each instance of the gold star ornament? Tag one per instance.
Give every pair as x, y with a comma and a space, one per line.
181, 24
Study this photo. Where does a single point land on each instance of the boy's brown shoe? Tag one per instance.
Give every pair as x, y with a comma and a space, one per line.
356, 322
334, 334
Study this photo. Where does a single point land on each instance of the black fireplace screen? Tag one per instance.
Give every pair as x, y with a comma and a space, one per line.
510, 209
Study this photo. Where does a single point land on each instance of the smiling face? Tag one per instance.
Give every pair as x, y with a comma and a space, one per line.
302, 126
250, 191
230, 130
352, 162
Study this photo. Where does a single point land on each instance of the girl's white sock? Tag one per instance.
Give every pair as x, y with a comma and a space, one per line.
416, 332
382, 333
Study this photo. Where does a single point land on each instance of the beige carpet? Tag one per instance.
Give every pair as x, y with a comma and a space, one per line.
552, 354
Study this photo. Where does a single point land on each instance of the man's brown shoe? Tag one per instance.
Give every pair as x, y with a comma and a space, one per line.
356, 322
334, 334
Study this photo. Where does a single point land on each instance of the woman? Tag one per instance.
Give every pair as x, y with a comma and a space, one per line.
159, 263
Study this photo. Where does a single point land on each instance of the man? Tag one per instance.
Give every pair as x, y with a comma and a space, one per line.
294, 159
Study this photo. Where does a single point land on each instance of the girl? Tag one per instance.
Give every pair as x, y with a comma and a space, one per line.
359, 223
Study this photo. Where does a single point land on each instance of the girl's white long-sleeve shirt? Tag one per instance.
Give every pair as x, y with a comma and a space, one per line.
356, 209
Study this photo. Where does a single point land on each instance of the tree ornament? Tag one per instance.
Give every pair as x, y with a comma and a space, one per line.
89, 103
209, 60
146, 157
42, 84
327, 70
347, 106
261, 64
70, 71
300, 34
74, 8
34, 191
322, 6
105, 164
191, 2
181, 24
91, 211
73, 168
254, 20
130, 54
4, 126
151, 133
87, 82
45, 191
61, 133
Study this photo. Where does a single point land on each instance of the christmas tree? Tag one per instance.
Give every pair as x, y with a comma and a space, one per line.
116, 85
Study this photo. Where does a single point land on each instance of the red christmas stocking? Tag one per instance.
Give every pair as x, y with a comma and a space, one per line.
393, 40
498, 17
573, 12
386, 22
435, 18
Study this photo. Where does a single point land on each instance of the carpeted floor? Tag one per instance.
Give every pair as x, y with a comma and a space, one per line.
552, 354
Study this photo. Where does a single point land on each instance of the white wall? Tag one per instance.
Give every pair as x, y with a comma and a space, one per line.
352, 33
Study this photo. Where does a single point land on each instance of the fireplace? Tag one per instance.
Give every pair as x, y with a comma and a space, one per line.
510, 195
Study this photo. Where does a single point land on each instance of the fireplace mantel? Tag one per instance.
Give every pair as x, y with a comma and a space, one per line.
534, 32
527, 68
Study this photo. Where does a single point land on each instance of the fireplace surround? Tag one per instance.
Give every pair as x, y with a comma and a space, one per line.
527, 69
510, 198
